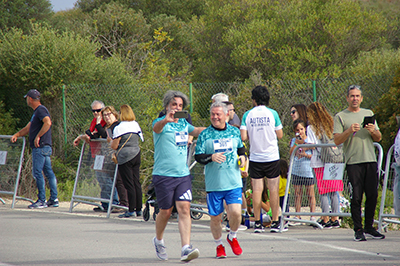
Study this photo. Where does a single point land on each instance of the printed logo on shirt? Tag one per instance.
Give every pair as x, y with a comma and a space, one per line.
259, 121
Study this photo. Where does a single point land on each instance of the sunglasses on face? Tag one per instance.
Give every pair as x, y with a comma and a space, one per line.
231, 110
293, 112
96, 110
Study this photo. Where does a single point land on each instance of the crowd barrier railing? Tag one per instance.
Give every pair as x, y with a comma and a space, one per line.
389, 211
329, 184
96, 176
11, 160
198, 206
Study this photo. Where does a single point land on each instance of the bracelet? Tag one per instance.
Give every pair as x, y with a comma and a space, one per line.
296, 144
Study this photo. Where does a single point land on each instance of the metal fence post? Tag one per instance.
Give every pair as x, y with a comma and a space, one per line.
314, 87
191, 96
64, 118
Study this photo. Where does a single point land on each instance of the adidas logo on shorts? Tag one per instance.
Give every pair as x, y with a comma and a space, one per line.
187, 195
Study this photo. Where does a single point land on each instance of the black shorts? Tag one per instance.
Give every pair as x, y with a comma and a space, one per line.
171, 189
269, 169
302, 181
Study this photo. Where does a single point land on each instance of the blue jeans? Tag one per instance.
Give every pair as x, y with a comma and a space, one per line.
41, 163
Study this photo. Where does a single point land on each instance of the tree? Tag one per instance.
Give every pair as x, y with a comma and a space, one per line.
7, 122
182, 10
284, 39
19, 13
386, 111
45, 60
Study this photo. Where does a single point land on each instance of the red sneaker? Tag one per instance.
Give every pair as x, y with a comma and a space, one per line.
237, 250
221, 252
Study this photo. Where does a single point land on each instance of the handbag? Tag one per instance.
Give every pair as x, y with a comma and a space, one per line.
115, 154
331, 154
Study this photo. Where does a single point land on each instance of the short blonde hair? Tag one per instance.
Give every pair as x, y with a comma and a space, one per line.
126, 113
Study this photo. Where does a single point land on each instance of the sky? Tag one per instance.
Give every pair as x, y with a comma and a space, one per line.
62, 4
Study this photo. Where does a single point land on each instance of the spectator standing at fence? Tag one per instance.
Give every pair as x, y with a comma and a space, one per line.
302, 174
299, 111
233, 117
262, 127
111, 116
321, 123
39, 130
126, 141
96, 131
360, 160
218, 148
171, 175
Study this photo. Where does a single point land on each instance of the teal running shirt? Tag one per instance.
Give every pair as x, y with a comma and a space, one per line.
170, 148
224, 176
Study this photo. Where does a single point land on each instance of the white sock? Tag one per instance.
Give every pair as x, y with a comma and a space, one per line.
232, 235
185, 247
218, 241
160, 242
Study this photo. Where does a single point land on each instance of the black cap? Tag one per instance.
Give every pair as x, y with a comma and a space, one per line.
34, 94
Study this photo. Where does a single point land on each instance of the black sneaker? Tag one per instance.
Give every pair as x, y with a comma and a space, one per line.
334, 224
52, 203
98, 209
374, 234
275, 227
359, 236
326, 225
38, 205
258, 228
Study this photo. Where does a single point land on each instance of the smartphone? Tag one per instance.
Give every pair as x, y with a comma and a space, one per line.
368, 120
181, 114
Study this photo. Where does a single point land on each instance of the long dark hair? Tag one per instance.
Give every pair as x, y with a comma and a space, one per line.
302, 111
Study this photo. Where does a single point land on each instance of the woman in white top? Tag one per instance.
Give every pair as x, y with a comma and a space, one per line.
126, 141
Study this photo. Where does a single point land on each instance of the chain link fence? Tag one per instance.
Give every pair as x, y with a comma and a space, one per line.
146, 102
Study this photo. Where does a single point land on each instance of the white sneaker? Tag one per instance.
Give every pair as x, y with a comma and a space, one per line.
242, 227
161, 251
190, 254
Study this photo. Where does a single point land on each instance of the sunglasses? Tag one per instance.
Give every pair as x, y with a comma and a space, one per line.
96, 110
231, 110
293, 112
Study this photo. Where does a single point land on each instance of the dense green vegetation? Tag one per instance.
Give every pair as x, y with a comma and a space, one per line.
125, 42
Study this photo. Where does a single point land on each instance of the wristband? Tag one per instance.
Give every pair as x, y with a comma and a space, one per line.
296, 144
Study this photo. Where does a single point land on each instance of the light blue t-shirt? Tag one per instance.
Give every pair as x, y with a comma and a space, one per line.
224, 176
302, 166
170, 148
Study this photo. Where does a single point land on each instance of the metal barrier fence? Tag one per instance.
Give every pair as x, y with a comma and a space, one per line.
326, 186
95, 176
389, 211
11, 159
